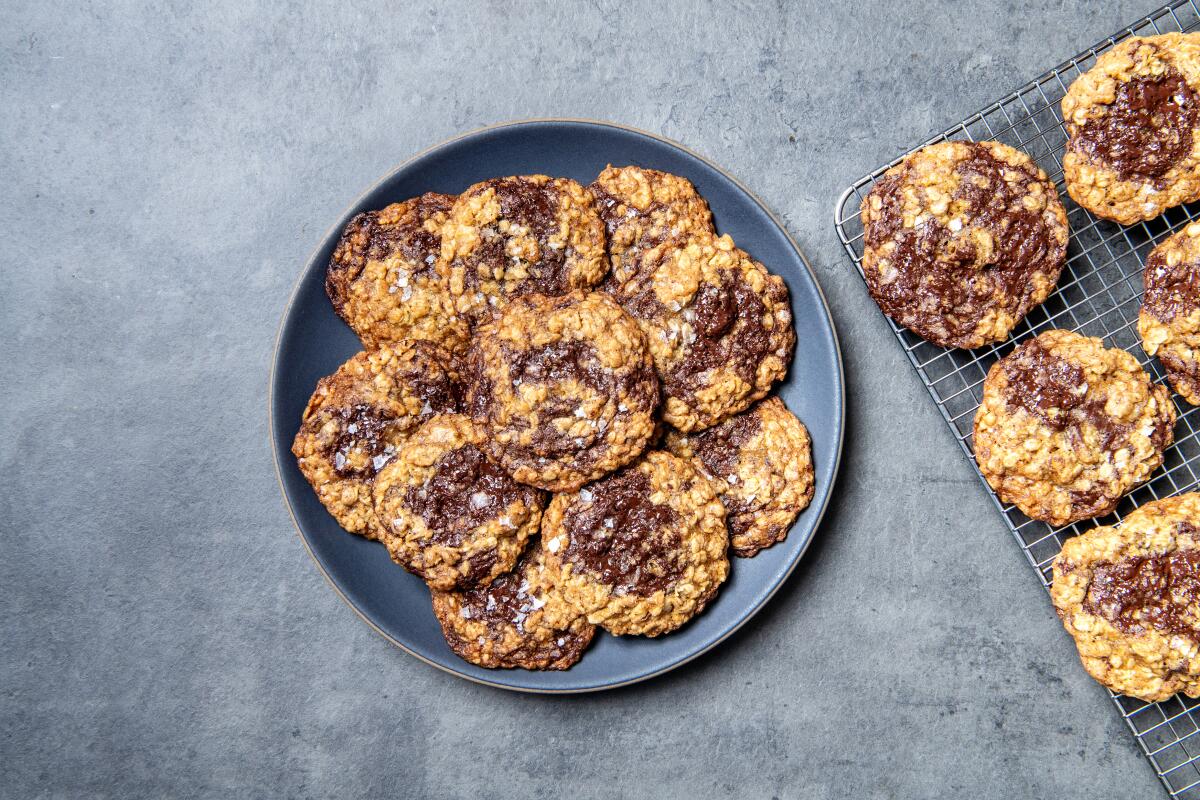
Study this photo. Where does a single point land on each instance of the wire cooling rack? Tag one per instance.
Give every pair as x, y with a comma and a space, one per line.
1098, 295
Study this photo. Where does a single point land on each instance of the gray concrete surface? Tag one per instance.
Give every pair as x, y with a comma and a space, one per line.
166, 171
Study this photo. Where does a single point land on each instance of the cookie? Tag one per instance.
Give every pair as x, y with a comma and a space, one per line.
519, 620
565, 388
642, 208
360, 416
1067, 427
1131, 125
447, 513
641, 551
384, 280
718, 323
507, 237
1169, 320
1130, 597
961, 240
761, 462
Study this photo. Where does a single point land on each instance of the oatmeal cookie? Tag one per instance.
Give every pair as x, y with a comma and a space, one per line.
641, 209
718, 323
450, 515
641, 551
1131, 124
384, 280
1169, 320
761, 462
961, 240
564, 386
358, 418
1130, 597
511, 236
1067, 427
519, 620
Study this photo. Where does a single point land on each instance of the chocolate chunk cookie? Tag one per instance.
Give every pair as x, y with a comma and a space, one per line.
384, 280
641, 551
450, 515
359, 417
1067, 427
719, 326
564, 386
1169, 320
518, 620
1132, 121
961, 240
1130, 597
511, 236
761, 462
641, 209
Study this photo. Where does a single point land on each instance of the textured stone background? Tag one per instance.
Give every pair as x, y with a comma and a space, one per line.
166, 173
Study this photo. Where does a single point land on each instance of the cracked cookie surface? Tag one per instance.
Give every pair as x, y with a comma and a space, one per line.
641, 551
447, 513
962, 240
1169, 319
507, 237
1067, 427
519, 620
565, 388
384, 281
1130, 597
761, 463
360, 416
1132, 150
718, 324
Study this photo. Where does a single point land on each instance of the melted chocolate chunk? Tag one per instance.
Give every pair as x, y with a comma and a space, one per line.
533, 206
1159, 592
466, 491
367, 238
429, 380
1170, 291
1054, 390
935, 286
361, 428
505, 601
572, 359
621, 537
729, 333
718, 447
1145, 131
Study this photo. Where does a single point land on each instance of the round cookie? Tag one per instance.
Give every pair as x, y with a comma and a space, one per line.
641, 551
384, 280
718, 323
511, 236
359, 417
519, 620
1169, 320
565, 387
1067, 427
1132, 149
450, 515
642, 208
1130, 597
961, 240
761, 463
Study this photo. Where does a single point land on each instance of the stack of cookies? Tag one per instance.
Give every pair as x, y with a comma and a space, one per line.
560, 419
963, 239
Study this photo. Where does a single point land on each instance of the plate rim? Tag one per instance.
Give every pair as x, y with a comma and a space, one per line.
841, 404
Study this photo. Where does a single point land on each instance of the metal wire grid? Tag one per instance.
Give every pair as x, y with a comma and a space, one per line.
1099, 295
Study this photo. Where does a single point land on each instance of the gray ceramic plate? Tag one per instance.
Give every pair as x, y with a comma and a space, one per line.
313, 342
